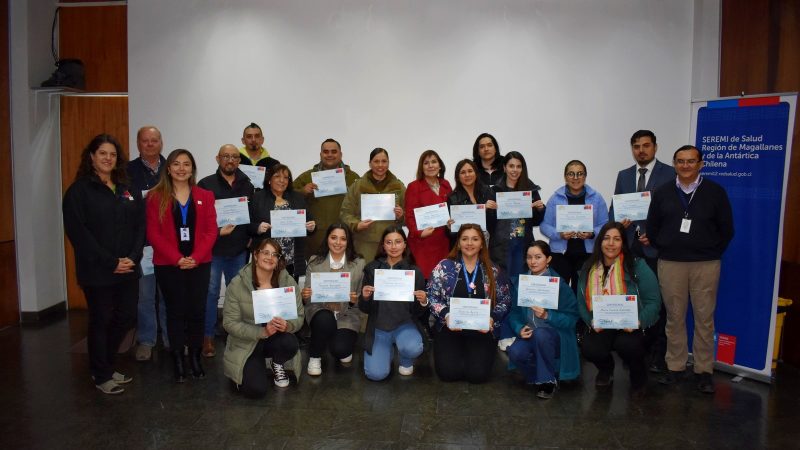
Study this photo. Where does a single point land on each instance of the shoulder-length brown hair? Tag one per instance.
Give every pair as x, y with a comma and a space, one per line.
483, 257
118, 174
165, 189
423, 157
278, 269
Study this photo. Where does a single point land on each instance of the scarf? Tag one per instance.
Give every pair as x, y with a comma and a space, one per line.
600, 283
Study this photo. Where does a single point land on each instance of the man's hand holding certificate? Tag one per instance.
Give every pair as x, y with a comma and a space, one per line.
232, 211
255, 173
514, 205
574, 218
469, 314
631, 206
394, 285
377, 207
431, 216
330, 287
462, 214
278, 302
288, 222
537, 290
615, 312
329, 182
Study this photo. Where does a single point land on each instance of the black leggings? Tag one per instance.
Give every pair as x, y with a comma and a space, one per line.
463, 355
324, 333
281, 347
597, 348
185, 293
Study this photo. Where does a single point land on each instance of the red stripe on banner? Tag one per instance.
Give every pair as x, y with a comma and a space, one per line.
759, 101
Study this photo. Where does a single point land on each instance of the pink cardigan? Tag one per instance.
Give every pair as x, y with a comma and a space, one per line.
162, 236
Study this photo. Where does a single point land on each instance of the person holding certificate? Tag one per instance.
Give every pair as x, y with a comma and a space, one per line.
182, 227
510, 236
392, 323
571, 248
612, 270
486, 156
104, 221
334, 325
428, 244
377, 180
250, 343
544, 335
278, 195
470, 190
467, 273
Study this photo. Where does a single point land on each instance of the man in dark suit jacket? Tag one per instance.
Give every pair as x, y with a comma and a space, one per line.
646, 175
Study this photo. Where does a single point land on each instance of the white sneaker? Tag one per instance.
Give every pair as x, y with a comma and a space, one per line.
279, 375
406, 371
503, 344
347, 360
314, 366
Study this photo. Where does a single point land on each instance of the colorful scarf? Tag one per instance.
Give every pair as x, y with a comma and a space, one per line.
612, 284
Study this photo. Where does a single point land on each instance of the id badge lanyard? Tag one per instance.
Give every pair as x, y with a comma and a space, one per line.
470, 281
686, 222
185, 236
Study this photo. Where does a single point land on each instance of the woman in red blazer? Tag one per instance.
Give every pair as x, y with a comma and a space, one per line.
182, 228
428, 245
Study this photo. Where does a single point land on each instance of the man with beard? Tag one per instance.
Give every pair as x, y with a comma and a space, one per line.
253, 153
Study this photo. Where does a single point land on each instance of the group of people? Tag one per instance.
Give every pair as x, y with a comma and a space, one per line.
115, 211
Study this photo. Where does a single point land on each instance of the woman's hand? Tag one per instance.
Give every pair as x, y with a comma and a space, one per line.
367, 291
363, 225
491, 325
353, 298
187, 263
263, 227
124, 265
630, 330
567, 235
398, 212
526, 332
538, 204
305, 294
491, 204
539, 312
447, 323
227, 229
598, 330
279, 324
426, 232
422, 297
311, 225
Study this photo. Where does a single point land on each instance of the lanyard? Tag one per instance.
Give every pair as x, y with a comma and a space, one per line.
470, 282
682, 197
184, 211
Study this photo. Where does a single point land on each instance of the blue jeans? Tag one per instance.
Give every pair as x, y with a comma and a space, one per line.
230, 267
409, 345
536, 356
146, 329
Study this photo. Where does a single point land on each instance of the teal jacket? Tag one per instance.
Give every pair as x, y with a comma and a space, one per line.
642, 283
562, 320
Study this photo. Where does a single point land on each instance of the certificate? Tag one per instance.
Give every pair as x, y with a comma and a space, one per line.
462, 214
278, 302
514, 205
330, 287
147, 260
232, 211
574, 218
469, 313
288, 223
329, 182
537, 290
431, 216
377, 206
255, 173
615, 312
394, 285
631, 206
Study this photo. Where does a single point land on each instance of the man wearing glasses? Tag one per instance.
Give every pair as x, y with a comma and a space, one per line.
229, 254
690, 222
647, 174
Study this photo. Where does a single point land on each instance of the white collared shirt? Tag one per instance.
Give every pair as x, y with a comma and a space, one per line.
647, 174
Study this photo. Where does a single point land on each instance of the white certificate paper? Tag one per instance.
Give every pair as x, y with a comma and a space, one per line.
288, 223
232, 211
462, 214
574, 218
615, 312
631, 206
514, 205
147, 260
278, 302
377, 206
329, 182
255, 173
469, 313
535, 290
394, 285
431, 216
330, 287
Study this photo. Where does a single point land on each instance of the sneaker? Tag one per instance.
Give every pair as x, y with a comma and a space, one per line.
314, 366
110, 387
279, 375
144, 352
704, 383
503, 344
672, 377
346, 361
545, 390
405, 371
604, 378
120, 378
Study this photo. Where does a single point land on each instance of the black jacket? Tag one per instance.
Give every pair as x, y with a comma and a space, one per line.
261, 206
482, 195
236, 242
141, 178
103, 226
499, 242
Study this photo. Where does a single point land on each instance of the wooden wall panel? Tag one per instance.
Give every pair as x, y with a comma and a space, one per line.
9, 306
97, 35
9, 298
82, 118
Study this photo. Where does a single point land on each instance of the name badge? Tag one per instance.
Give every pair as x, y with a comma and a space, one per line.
686, 224
185, 234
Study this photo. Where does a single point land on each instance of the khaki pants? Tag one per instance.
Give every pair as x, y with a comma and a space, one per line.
679, 281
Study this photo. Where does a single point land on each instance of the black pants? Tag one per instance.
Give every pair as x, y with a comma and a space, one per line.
463, 355
597, 348
656, 337
567, 266
185, 293
281, 347
112, 312
324, 333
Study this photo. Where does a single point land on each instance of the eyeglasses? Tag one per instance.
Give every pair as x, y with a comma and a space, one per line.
230, 157
689, 162
396, 243
576, 175
269, 254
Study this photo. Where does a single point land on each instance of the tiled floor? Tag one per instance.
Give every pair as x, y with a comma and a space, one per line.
49, 402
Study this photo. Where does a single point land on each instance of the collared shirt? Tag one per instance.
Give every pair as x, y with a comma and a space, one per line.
337, 265
263, 154
152, 167
691, 187
647, 174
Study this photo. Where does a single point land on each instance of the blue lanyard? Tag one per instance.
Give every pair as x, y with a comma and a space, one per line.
470, 282
682, 197
184, 211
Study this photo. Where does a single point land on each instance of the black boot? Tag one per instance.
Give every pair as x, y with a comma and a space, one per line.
180, 366
195, 360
